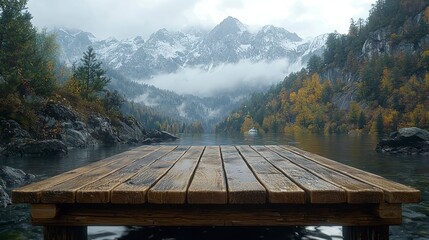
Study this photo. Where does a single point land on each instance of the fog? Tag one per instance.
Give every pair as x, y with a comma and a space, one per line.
225, 78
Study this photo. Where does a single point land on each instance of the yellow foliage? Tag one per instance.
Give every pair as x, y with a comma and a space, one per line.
354, 112
292, 96
268, 121
247, 124
390, 119
418, 117
72, 86
386, 84
295, 129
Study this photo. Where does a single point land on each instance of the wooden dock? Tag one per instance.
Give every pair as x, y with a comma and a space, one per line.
216, 186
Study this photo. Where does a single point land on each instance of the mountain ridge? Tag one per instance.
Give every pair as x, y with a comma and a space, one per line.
169, 51
229, 48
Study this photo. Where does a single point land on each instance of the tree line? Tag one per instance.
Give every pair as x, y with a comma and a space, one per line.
389, 90
31, 75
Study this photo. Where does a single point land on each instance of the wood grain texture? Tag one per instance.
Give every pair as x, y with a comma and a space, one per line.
280, 189
134, 190
44, 210
65, 192
243, 187
357, 191
393, 192
317, 189
219, 215
99, 191
31, 193
209, 185
172, 187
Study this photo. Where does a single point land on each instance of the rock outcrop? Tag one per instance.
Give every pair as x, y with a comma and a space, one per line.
10, 131
406, 141
131, 131
381, 41
155, 136
11, 177
101, 129
64, 129
34, 148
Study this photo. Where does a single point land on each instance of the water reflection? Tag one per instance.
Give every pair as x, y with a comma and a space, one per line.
357, 151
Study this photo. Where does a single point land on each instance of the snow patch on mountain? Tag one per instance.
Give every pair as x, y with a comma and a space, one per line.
166, 52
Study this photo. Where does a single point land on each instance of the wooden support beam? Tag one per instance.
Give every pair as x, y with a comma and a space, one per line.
65, 233
366, 233
44, 211
218, 215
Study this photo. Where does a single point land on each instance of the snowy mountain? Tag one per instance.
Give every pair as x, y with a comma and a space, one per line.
167, 52
221, 66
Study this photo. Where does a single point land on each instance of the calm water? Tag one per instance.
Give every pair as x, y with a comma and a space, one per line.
354, 151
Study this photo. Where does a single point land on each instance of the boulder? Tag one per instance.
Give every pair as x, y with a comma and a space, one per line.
100, 128
50, 147
11, 130
11, 177
75, 139
131, 130
406, 141
156, 136
4, 198
59, 112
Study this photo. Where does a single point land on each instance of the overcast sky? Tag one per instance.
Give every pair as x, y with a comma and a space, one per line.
130, 18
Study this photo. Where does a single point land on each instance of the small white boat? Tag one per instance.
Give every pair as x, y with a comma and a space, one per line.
253, 131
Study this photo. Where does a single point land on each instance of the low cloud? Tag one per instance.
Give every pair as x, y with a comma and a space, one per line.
225, 78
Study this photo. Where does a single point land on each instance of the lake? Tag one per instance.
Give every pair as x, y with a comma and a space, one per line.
356, 151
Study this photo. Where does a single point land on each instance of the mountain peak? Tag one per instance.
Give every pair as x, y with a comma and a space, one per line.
229, 26
232, 22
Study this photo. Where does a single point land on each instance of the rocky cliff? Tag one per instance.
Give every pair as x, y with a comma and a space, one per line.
388, 40
62, 128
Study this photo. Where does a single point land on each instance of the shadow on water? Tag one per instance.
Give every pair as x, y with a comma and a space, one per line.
233, 233
356, 151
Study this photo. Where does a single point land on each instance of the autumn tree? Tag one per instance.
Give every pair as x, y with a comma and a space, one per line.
354, 112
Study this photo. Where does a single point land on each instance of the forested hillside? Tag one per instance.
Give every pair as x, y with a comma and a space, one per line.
50, 101
374, 79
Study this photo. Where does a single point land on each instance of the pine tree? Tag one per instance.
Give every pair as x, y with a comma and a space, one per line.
361, 120
90, 75
17, 38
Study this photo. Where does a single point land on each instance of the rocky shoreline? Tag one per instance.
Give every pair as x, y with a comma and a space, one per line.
406, 141
62, 128
9, 178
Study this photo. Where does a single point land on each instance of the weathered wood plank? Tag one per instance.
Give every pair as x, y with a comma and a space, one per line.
65, 192
31, 193
357, 191
393, 192
99, 191
280, 188
44, 210
172, 187
209, 185
219, 215
317, 189
134, 190
243, 187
